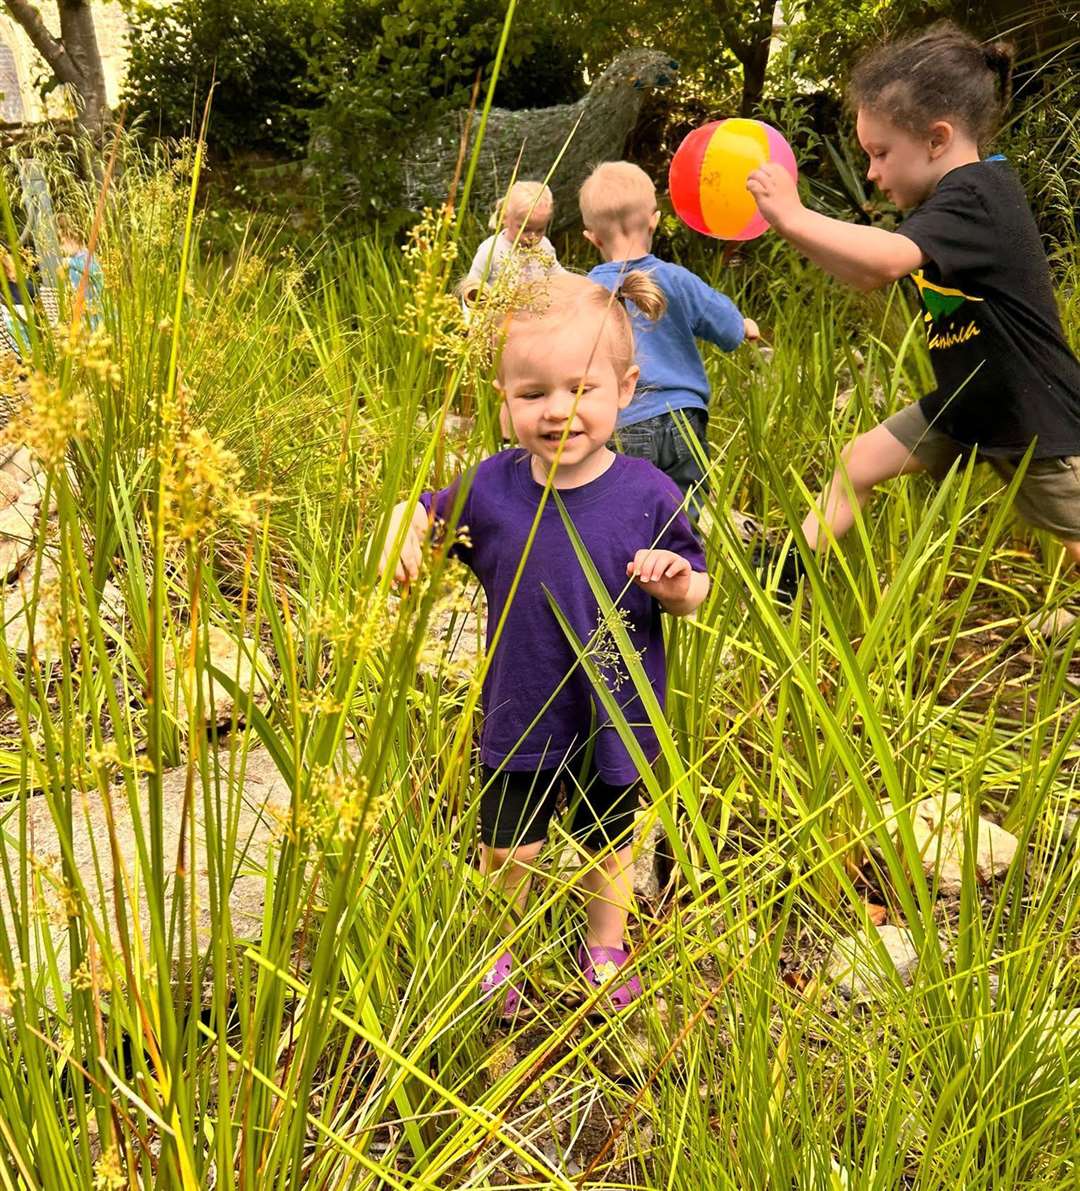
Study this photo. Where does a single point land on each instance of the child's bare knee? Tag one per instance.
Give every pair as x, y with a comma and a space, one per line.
858, 464
613, 860
517, 854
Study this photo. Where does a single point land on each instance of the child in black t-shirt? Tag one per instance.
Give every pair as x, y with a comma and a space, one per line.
1005, 375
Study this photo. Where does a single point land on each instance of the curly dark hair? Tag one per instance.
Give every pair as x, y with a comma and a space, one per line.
940, 73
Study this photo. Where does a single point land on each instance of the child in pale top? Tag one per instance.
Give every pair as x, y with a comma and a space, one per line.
81, 270
1006, 378
525, 213
618, 208
565, 373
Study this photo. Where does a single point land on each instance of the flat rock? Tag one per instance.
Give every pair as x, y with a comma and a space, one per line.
1052, 623
260, 802
242, 661
857, 969
646, 871
19, 465
21, 491
939, 826
20, 601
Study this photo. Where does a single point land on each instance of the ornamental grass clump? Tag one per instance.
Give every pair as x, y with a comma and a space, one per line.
245, 955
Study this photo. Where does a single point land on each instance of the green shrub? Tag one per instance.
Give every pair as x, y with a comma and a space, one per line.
254, 52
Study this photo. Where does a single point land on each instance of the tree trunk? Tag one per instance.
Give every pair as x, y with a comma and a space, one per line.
79, 37
74, 57
754, 56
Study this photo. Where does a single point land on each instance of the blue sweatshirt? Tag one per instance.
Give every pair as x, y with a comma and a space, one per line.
672, 373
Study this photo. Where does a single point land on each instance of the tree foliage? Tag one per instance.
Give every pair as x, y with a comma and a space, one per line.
345, 82
255, 52
383, 71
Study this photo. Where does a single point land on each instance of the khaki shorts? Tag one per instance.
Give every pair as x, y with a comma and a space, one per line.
1049, 493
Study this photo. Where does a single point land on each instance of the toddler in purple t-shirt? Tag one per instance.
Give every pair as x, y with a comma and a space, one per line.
564, 374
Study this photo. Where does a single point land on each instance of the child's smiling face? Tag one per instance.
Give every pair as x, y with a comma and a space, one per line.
561, 376
904, 167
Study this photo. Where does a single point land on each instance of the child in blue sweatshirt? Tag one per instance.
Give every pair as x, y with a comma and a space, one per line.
618, 208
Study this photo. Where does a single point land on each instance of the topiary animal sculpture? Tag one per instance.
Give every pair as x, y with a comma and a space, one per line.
604, 118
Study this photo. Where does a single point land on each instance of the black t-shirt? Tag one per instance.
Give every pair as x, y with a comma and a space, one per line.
1005, 374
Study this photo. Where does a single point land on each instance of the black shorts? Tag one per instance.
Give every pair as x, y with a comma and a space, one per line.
517, 808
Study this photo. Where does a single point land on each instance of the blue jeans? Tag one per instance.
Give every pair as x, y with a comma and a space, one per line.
663, 441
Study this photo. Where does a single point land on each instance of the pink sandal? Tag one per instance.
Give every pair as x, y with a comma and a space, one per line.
600, 965
495, 979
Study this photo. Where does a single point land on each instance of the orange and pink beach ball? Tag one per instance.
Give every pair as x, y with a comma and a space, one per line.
707, 177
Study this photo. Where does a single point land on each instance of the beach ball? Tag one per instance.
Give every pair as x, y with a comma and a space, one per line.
707, 178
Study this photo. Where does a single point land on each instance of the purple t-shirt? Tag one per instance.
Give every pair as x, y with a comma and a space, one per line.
631, 506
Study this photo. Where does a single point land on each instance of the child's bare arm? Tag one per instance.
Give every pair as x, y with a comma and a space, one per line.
669, 579
864, 257
407, 562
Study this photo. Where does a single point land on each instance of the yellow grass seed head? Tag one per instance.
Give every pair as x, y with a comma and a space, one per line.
10, 984
108, 1171
92, 351
199, 482
53, 417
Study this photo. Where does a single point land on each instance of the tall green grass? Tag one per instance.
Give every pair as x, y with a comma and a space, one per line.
341, 1044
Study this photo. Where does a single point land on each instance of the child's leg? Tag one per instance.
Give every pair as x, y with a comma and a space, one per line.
686, 437
1048, 497
604, 823
874, 456
609, 886
515, 812
512, 870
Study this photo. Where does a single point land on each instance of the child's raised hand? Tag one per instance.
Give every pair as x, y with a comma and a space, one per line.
775, 193
664, 574
407, 563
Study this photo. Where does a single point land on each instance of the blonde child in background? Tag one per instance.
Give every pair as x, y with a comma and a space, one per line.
525, 213
618, 208
565, 373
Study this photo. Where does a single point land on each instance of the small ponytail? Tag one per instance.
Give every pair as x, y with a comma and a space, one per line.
1000, 57
638, 287
939, 73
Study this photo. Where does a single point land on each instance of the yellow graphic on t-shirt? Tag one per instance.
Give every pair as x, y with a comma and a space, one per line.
939, 299
940, 302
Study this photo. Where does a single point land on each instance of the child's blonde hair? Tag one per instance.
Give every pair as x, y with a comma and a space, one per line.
522, 200
617, 196
568, 296
69, 228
